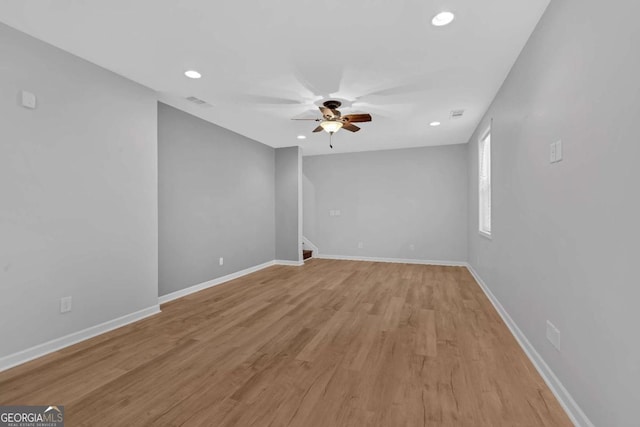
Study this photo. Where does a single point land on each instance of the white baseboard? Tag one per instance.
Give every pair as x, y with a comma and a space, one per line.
570, 406
393, 260
40, 350
290, 263
208, 284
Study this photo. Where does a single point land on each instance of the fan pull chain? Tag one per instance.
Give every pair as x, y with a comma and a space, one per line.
330, 135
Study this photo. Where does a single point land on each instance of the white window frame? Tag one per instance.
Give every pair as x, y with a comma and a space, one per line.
484, 184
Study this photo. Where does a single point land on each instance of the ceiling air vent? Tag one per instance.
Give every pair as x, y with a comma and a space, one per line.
457, 114
198, 101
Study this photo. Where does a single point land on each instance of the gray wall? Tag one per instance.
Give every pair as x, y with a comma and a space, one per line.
78, 178
216, 199
287, 193
565, 236
389, 200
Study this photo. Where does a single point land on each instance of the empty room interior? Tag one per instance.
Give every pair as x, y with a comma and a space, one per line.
295, 213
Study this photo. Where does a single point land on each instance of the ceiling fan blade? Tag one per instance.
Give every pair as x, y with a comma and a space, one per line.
350, 127
327, 112
357, 118
318, 129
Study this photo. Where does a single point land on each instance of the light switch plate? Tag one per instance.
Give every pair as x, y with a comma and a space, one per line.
555, 151
558, 145
28, 100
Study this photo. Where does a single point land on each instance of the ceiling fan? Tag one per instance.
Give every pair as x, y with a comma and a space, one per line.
332, 120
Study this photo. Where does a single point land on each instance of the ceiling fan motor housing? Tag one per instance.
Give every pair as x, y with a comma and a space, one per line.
332, 104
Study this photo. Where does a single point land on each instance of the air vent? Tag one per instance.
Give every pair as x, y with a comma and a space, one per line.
198, 101
457, 114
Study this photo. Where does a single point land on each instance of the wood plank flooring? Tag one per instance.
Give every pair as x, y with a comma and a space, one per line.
332, 343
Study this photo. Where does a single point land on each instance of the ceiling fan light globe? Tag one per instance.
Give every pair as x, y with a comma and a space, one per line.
331, 126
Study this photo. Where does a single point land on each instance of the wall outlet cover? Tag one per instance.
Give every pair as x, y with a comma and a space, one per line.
553, 335
65, 304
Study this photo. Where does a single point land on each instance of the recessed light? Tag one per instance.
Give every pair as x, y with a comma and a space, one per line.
192, 74
434, 124
302, 137
442, 18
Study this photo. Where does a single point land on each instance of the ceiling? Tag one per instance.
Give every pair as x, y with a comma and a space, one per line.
268, 61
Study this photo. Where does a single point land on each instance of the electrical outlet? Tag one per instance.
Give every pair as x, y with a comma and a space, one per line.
553, 335
221, 261
65, 304
337, 212
360, 245
412, 247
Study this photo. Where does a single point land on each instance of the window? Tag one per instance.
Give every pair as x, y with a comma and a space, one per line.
484, 184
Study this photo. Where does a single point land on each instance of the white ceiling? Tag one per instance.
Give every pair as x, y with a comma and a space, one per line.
267, 61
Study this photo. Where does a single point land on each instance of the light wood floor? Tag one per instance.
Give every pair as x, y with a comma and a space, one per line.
333, 343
